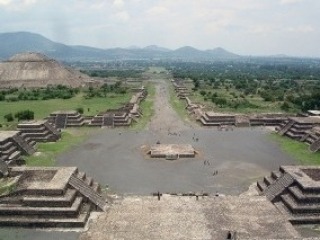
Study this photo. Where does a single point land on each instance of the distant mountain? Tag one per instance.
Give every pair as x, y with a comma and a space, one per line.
18, 42
222, 53
157, 48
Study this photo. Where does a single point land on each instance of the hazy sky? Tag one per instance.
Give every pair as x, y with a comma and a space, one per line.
255, 27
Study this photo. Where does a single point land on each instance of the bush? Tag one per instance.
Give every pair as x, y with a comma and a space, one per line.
79, 110
9, 117
25, 115
2, 97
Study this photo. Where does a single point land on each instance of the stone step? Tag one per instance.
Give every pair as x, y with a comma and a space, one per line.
51, 201
89, 181
6, 145
283, 130
47, 221
261, 185
294, 207
87, 191
278, 187
81, 175
301, 196
315, 146
276, 174
6, 209
268, 180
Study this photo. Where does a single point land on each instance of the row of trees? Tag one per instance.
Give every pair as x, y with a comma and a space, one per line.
52, 92
21, 115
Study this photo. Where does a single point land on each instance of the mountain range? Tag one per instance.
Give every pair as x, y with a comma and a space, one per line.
18, 42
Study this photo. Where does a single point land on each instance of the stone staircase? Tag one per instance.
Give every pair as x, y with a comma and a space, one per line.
23, 145
52, 128
295, 193
61, 121
44, 197
283, 130
108, 121
87, 190
315, 146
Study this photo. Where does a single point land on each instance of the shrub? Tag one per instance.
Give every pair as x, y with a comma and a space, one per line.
25, 115
79, 110
9, 117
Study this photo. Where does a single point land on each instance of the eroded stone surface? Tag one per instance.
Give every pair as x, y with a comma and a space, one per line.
175, 217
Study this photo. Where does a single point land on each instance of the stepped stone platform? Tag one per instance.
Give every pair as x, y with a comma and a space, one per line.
13, 145
50, 197
295, 191
185, 217
296, 127
304, 129
217, 119
172, 151
63, 119
39, 131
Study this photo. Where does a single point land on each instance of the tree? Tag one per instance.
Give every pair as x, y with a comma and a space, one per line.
9, 117
24, 115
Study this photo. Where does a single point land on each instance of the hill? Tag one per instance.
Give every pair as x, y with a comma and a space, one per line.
13, 43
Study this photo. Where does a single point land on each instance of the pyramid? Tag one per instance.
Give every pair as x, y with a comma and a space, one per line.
31, 70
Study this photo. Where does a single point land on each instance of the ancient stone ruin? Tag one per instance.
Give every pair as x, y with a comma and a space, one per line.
172, 151
49, 197
31, 70
63, 119
295, 191
304, 129
13, 145
210, 118
38, 131
120, 117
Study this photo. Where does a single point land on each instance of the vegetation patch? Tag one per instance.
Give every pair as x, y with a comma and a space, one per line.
47, 152
147, 108
298, 150
177, 104
42, 109
7, 185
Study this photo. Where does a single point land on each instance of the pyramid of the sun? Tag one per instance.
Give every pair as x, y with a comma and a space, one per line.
37, 70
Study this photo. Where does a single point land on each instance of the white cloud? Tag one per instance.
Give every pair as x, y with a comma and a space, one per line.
118, 3
284, 2
301, 29
5, 2
122, 16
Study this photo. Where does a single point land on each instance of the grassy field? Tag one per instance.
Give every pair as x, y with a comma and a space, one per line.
44, 108
147, 108
47, 152
177, 104
261, 106
298, 150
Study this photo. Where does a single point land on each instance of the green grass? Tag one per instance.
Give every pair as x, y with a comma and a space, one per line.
147, 108
298, 150
43, 108
47, 152
262, 106
179, 105
7, 185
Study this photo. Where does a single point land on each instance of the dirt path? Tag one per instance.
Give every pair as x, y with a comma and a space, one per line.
165, 118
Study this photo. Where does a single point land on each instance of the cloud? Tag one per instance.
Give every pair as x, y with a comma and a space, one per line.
284, 2
301, 29
5, 2
17, 5
118, 3
123, 16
